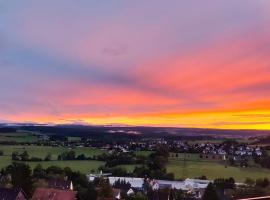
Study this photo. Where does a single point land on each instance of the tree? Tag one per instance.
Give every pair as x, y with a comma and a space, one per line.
48, 157
177, 194
86, 190
54, 170
244, 163
163, 150
141, 171
222, 183
122, 185
169, 176
86, 193
248, 192
159, 162
231, 161
249, 182
21, 175
25, 156
81, 157
39, 172
5, 180
106, 190
71, 155
119, 171
263, 183
210, 193
15, 156
137, 196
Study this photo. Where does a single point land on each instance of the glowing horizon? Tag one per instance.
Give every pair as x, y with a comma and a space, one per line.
182, 64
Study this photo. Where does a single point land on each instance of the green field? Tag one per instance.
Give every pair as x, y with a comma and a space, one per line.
82, 166
214, 169
187, 156
219, 141
42, 151
18, 137
74, 139
192, 167
143, 153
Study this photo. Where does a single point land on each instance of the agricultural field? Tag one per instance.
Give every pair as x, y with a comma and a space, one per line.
143, 153
74, 139
214, 169
185, 156
212, 141
192, 166
18, 137
219, 141
182, 165
42, 151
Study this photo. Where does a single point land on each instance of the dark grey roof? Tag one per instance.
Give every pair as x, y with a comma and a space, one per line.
10, 193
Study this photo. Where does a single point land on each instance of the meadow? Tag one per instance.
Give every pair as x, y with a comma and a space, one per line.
192, 166
183, 166
42, 151
214, 169
18, 137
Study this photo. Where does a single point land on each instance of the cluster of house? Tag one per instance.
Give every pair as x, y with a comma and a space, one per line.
56, 190
236, 150
196, 187
182, 146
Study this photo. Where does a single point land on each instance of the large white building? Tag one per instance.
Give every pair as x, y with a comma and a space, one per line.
187, 184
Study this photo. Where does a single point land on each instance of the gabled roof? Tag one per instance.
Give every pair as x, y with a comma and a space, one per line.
53, 194
10, 193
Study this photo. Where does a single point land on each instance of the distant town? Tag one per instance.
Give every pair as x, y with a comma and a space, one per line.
77, 162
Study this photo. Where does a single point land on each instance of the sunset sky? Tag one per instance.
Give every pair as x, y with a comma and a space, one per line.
184, 63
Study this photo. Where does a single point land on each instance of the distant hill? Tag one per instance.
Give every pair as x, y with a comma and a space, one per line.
130, 131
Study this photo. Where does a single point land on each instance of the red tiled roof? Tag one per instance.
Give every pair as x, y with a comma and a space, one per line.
59, 184
53, 194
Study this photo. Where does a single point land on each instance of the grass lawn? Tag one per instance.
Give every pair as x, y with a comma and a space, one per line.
143, 153
129, 168
214, 169
219, 141
74, 139
193, 167
82, 166
187, 156
212, 141
42, 151
18, 137
196, 167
